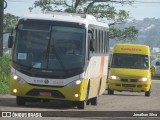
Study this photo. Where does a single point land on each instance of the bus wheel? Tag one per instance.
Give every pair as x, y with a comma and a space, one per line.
20, 100
110, 92
94, 101
88, 101
148, 93
81, 104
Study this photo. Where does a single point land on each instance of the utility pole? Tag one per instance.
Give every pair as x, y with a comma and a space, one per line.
1, 26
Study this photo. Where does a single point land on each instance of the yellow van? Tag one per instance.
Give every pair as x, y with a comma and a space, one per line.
130, 69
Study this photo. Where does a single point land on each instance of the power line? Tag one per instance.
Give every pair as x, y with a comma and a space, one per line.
135, 3
138, 3
22, 1
5, 4
146, 2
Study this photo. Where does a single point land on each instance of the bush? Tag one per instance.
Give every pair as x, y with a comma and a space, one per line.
5, 74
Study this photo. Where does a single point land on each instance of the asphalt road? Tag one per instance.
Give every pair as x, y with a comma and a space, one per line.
120, 101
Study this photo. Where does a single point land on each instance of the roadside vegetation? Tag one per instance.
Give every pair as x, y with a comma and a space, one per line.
5, 74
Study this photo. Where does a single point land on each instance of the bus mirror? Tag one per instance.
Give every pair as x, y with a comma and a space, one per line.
90, 32
153, 69
92, 45
16, 28
92, 41
10, 41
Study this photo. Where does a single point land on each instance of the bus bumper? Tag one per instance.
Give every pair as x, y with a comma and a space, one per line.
49, 92
128, 86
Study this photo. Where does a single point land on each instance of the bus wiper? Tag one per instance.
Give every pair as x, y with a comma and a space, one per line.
59, 59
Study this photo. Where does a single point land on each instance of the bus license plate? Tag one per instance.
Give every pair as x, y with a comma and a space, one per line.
129, 89
45, 94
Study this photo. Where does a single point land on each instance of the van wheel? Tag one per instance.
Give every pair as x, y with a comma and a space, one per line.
148, 93
20, 100
110, 92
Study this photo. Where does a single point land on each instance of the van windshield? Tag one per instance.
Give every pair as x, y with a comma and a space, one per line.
130, 61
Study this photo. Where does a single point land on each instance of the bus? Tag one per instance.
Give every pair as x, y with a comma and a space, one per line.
59, 56
130, 69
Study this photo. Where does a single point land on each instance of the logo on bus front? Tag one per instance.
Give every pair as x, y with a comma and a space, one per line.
129, 80
46, 81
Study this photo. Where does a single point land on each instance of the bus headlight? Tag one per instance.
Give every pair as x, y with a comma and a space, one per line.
15, 77
143, 79
18, 79
113, 77
74, 83
15, 90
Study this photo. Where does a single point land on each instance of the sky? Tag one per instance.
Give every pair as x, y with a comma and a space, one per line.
139, 10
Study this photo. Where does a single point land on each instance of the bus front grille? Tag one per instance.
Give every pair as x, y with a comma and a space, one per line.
53, 93
129, 80
128, 85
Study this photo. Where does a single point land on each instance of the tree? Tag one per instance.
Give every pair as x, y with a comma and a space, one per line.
127, 34
102, 9
43, 4
9, 22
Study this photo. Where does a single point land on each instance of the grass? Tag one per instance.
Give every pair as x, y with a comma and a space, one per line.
5, 74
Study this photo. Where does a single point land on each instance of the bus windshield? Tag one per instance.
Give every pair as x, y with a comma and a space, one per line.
49, 47
130, 61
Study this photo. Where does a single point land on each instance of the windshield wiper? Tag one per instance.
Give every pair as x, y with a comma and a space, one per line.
59, 59
55, 52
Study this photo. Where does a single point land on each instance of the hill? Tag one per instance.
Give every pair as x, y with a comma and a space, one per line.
149, 31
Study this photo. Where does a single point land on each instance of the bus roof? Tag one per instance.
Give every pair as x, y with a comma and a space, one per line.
131, 48
67, 17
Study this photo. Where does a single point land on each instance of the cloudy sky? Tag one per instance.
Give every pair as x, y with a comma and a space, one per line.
139, 10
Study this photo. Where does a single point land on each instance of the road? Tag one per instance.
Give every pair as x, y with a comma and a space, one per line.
120, 101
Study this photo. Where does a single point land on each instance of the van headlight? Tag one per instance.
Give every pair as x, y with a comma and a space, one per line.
74, 83
18, 79
113, 77
143, 79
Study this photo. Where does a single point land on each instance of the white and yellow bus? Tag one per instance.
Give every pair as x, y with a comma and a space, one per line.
59, 57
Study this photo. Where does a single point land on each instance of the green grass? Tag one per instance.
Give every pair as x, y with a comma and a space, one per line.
5, 74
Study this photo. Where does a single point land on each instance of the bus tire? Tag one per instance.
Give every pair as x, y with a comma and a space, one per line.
81, 104
110, 92
94, 101
20, 100
87, 95
88, 101
148, 93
